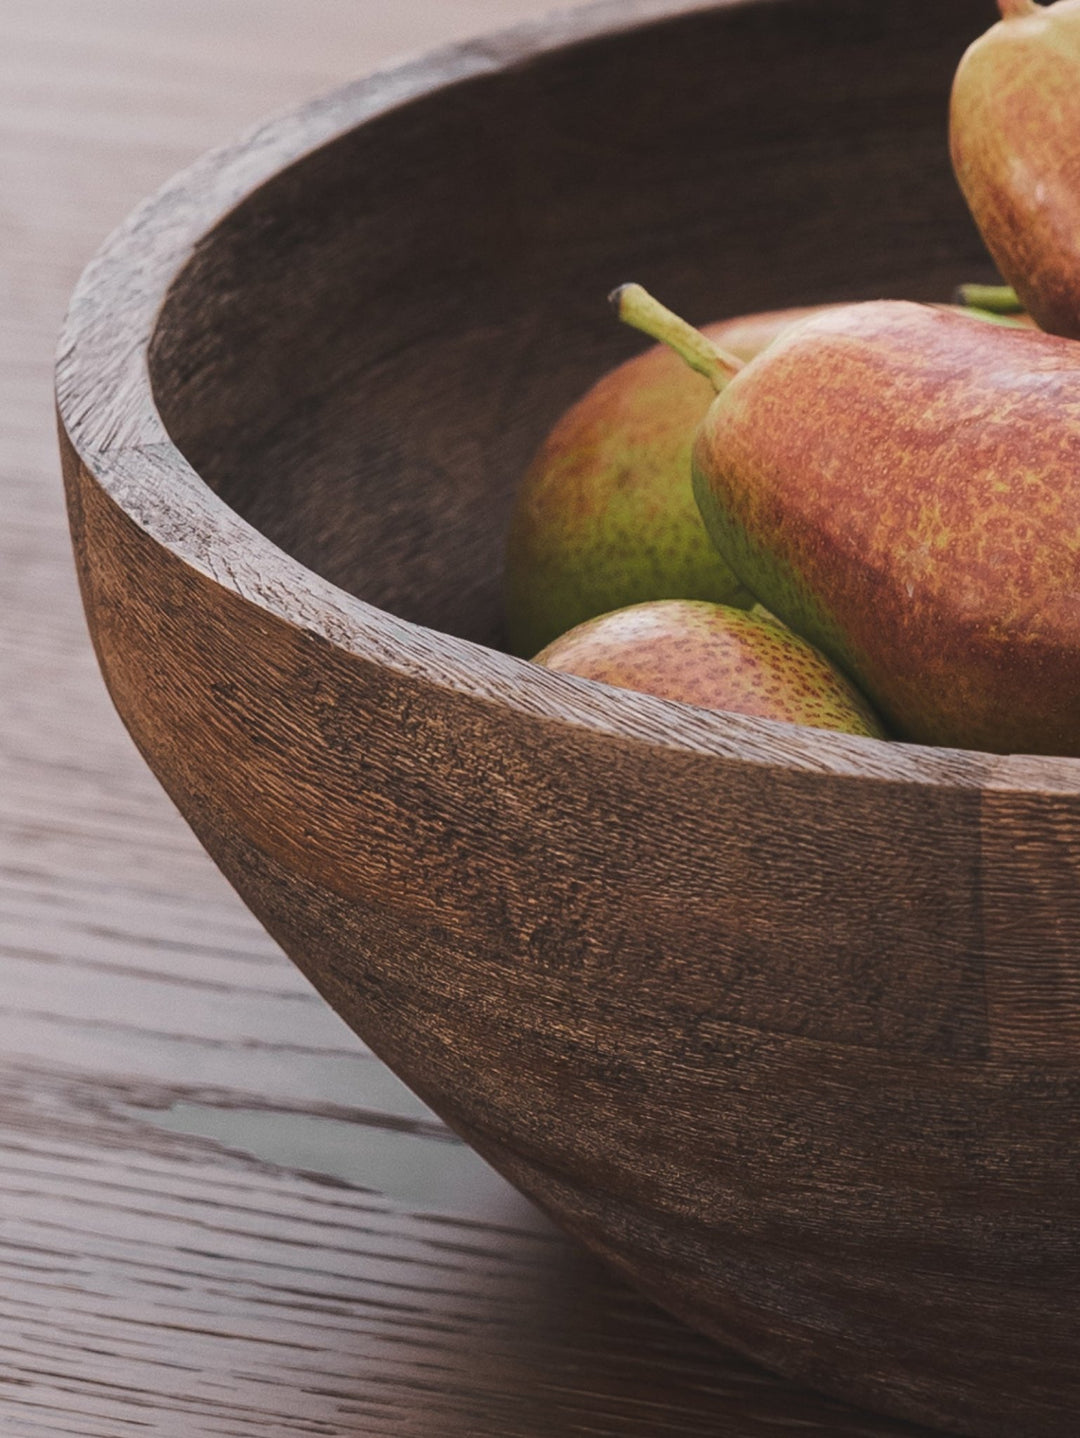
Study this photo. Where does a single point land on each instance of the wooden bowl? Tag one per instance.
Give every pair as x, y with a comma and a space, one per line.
784, 1024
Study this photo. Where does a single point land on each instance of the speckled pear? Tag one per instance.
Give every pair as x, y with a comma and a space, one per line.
717, 657
901, 485
1014, 119
605, 515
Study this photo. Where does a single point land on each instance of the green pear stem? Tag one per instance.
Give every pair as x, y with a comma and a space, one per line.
1012, 322
636, 307
1016, 9
998, 299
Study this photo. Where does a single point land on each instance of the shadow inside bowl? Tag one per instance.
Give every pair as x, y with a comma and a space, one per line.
362, 355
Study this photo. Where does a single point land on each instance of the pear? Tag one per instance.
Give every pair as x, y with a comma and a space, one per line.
605, 515
1014, 117
717, 657
901, 485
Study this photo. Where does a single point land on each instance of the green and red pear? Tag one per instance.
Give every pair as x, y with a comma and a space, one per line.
716, 657
901, 485
1014, 118
605, 515
745, 336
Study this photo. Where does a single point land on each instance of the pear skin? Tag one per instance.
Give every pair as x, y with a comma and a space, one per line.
605, 515
716, 657
1014, 118
902, 486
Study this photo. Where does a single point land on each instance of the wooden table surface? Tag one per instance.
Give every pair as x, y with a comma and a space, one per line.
218, 1213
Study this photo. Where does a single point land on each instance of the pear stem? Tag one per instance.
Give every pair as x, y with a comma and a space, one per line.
1017, 9
636, 307
989, 317
998, 299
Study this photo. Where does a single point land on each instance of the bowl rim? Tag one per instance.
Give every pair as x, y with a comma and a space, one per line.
106, 408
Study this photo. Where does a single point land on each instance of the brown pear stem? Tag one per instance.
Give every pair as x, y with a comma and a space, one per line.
635, 306
1017, 9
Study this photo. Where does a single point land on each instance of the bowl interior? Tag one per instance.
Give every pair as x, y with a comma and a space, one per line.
362, 355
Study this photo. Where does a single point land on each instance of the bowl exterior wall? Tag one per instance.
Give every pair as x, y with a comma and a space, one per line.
621, 1024
784, 1025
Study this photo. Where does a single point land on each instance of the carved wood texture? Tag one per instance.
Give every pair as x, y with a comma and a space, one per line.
781, 1024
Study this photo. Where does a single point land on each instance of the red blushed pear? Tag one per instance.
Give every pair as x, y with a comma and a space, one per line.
901, 485
717, 657
1013, 127
605, 515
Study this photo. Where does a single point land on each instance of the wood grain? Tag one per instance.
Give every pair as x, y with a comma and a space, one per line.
154, 1280
780, 1023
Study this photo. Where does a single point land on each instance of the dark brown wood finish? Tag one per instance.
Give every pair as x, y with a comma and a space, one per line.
219, 1212
780, 1023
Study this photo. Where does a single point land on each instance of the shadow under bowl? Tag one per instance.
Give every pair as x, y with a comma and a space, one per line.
783, 1024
